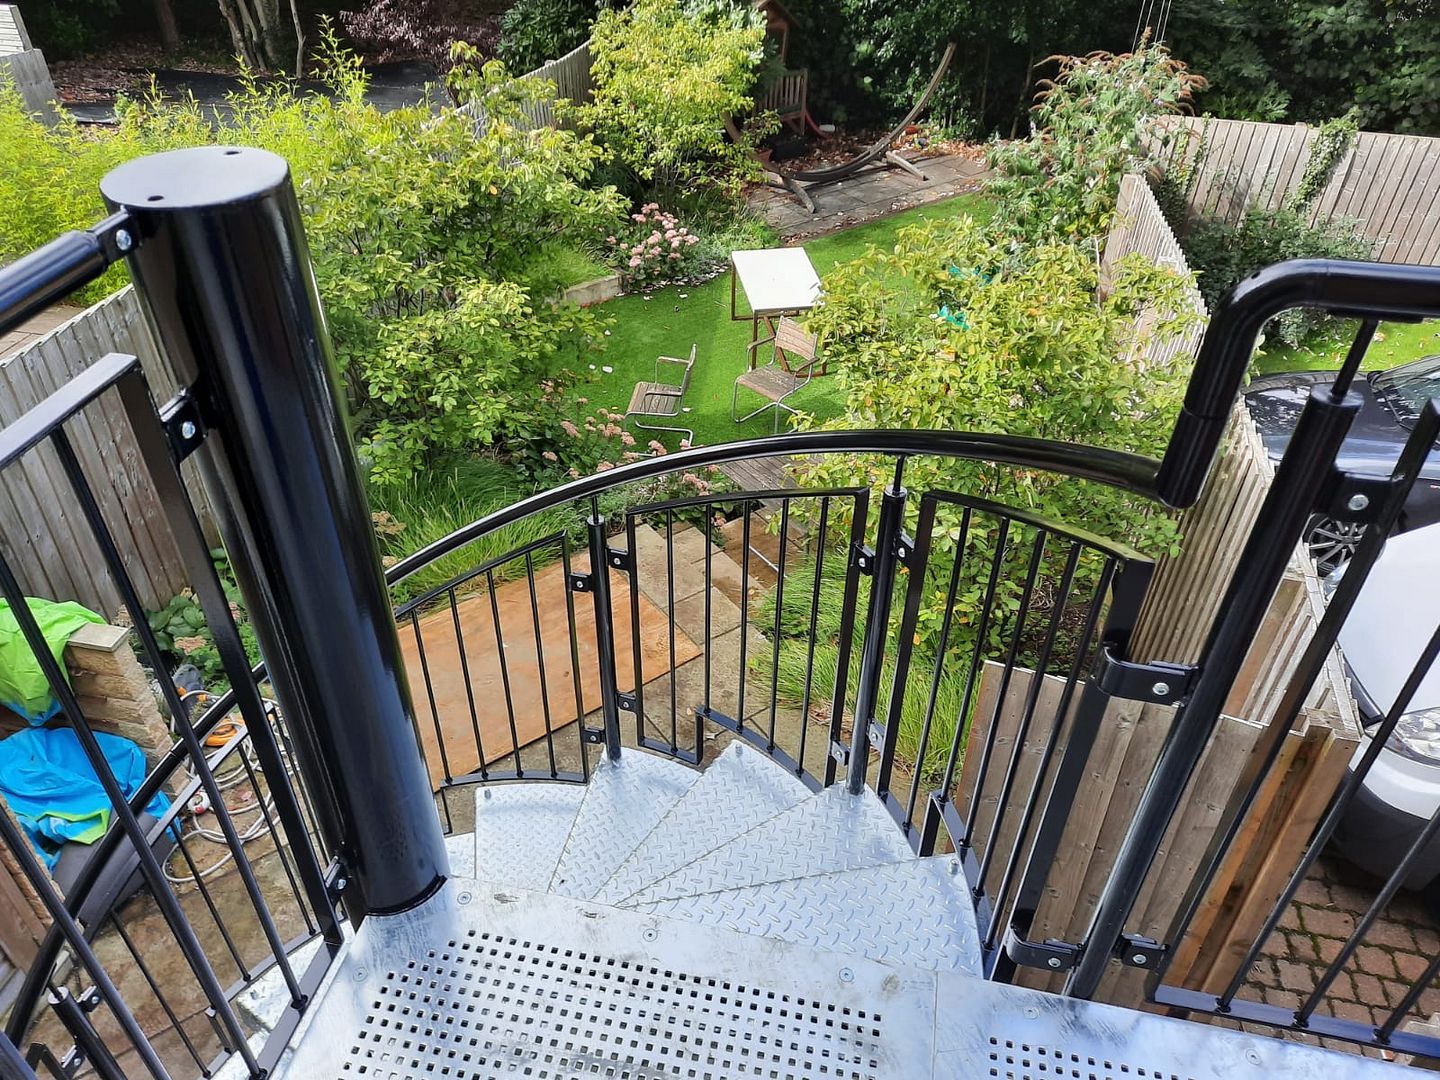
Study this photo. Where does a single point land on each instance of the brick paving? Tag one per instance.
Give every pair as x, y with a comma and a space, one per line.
869, 195
1326, 910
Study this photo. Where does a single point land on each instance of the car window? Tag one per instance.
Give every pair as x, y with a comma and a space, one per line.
1405, 389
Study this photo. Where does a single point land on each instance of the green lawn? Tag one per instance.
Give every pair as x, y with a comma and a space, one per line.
668, 320
1395, 343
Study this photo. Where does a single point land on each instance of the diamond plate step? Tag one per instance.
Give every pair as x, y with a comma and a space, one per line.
828, 832
623, 802
742, 788
911, 914
520, 831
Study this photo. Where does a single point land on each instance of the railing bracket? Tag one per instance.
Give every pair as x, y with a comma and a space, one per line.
626, 703
863, 558
580, 582
1138, 951
592, 735
184, 426
1352, 497
619, 559
840, 752
1048, 955
1160, 682
904, 548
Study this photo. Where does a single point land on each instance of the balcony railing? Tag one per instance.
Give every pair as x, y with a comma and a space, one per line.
787, 618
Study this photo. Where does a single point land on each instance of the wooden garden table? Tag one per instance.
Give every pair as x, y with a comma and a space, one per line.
776, 282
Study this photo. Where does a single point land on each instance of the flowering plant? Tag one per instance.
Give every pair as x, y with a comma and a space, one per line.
652, 248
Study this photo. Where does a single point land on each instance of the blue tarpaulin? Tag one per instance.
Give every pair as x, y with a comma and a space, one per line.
47, 781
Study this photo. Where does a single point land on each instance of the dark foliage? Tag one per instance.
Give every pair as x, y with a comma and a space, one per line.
421, 29
534, 31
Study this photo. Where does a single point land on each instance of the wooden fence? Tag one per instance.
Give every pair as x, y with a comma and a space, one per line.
25, 67
1388, 184
43, 536
1140, 228
1183, 601
570, 75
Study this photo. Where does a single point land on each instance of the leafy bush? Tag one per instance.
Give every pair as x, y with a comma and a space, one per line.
993, 342
182, 632
420, 227
534, 31
652, 248
1222, 254
1091, 126
666, 80
420, 29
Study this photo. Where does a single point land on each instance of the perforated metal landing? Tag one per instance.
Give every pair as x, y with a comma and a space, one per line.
483, 982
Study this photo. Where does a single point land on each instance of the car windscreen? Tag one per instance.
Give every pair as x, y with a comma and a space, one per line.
1405, 389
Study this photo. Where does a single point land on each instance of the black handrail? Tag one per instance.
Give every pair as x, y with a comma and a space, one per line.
1129, 472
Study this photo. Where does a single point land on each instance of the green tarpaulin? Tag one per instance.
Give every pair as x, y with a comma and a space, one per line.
23, 687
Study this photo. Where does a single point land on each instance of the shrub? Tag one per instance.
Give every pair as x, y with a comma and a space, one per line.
666, 80
420, 29
1222, 254
992, 342
652, 248
534, 31
1093, 123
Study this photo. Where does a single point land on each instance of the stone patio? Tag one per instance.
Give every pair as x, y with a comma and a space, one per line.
868, 195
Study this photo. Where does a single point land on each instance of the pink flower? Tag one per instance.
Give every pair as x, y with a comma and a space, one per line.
569, 428
638, 217
626, 439
684, 444
582, 401
550, 455
611, 240
674, 255
634, 260
692, 239
669, 234
657, 446
691, 479
610, 431
719, 521
675, 243
574, 474
712, 469
604, 466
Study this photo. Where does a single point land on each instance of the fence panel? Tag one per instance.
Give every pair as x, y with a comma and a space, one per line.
31, 76
59, 559
1140, 228
1388, 184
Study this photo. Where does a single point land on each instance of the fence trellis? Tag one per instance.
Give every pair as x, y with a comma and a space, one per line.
1389, 184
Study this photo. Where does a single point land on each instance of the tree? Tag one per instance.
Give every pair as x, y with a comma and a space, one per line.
264, 35
165, 21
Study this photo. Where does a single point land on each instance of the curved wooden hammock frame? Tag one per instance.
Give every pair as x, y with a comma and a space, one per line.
796, 183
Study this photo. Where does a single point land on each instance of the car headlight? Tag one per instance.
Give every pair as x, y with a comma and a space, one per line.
1417, 736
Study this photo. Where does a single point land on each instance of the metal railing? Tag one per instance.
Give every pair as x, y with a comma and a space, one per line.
620, 610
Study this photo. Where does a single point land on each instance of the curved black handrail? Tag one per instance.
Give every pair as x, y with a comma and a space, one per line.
1129, 472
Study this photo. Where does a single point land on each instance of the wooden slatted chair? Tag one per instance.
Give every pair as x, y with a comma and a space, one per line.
793, 363
661, 400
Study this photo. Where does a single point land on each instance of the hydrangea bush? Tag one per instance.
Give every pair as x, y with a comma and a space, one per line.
653, 248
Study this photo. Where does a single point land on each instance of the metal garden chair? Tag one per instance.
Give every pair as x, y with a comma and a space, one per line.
660, 400
794, 362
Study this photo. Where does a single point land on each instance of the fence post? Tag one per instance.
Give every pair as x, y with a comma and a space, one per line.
605, 632
877, 624
222, 270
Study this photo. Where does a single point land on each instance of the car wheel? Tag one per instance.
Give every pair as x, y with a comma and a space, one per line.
1332, 543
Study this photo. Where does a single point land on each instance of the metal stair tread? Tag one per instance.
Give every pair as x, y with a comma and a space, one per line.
521, 830
910, 914
830, 831
740, 790
623, 802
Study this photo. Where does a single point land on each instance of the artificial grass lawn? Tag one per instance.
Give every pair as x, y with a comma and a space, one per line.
668, 320
1395, 343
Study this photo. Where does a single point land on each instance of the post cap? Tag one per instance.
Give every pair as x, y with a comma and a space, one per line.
201, 176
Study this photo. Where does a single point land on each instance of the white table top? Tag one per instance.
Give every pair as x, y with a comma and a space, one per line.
777, 280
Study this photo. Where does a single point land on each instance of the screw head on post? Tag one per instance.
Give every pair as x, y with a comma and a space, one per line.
1358, 502
1161, 689
1054, 962
123, 240
1139, 959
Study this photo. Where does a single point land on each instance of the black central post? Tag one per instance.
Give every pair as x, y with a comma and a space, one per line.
223, 272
